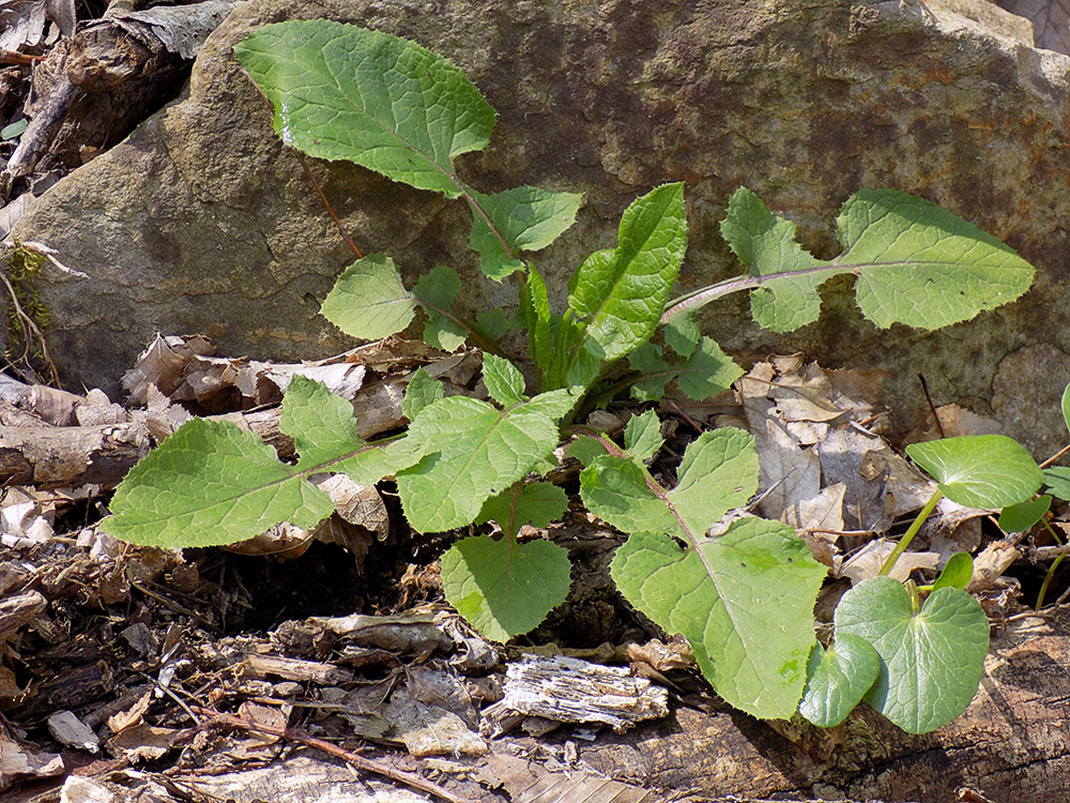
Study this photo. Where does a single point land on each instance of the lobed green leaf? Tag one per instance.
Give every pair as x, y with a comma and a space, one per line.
744, 601
474, 452
213, 483
523, 219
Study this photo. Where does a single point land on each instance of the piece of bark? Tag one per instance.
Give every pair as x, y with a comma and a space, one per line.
18, 609
294, 669
565, 689
51, 457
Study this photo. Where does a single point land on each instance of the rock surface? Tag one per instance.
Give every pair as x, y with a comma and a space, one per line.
202, 221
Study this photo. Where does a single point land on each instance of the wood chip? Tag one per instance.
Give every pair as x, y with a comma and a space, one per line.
569, 690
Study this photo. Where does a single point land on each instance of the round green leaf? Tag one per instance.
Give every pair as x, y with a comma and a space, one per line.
931, 661
1022, 516
837, 679
504, 588
982, 471
957, 573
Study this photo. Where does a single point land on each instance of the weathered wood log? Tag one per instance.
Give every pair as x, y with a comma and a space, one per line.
116, 59
1011, 745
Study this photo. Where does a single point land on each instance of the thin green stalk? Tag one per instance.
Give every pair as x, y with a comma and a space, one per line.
908, 536
1051, 569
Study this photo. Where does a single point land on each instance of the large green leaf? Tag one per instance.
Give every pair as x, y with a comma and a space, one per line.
213, 483
343, 92
923, 266
916, 264
982, 471
504, 588
523, 219
474, 452
931, 660
368, 299
744, 601
619, 294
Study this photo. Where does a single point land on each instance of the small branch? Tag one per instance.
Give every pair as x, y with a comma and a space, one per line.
1050, 552
327, 205
410, 779
932, 407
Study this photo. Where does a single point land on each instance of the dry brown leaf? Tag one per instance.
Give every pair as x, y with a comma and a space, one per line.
1050, 18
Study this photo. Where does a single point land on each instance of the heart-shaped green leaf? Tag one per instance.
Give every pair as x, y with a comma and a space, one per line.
504, 588
932, 660
837, 679
744, 602
982, 471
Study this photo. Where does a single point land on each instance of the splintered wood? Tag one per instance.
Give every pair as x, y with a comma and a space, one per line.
562, 689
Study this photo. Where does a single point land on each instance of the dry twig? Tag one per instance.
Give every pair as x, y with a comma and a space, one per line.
410, 779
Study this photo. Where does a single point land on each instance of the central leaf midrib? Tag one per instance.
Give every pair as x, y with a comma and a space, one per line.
297, 474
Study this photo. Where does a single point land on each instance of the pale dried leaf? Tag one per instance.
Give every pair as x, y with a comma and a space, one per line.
132, 716
824, 511
143, 742
428, 730
868, 560
788, 472
23, 25
84, 790
357, 504
182, 29
843, 453
62, 12
1050, 18
20, 761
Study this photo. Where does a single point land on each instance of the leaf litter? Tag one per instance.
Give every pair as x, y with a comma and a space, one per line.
420, 679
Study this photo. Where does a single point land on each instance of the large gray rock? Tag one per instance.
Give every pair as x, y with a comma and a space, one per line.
202, 221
